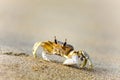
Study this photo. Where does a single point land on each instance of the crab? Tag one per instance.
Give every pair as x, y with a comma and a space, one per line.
64, 50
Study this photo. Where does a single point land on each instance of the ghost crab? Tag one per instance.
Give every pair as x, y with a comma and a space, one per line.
65, 50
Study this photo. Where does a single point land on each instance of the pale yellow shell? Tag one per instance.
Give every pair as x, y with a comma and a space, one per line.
59, 49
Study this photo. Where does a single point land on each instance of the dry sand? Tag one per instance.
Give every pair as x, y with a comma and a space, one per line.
19, 66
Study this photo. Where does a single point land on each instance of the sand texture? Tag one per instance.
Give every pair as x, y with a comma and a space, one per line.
25, 67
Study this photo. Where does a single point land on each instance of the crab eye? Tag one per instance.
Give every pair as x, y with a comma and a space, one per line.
55, 40
65, 42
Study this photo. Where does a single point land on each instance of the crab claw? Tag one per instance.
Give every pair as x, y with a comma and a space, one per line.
72, 61
86, 59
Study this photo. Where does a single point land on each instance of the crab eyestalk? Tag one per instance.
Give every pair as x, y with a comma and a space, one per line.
55, 40
64, 44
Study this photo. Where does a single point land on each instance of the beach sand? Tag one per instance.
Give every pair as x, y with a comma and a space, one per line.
19, 66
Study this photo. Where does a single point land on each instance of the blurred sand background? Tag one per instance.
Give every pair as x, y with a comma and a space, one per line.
92, 25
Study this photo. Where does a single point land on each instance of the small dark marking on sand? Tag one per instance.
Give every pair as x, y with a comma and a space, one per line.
16, 54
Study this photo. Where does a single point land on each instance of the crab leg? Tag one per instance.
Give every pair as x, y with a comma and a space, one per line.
86, 59
90, 63
84, 63
35, 47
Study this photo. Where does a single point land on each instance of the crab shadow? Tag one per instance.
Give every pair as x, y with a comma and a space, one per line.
94, 70
97, 68
73, 66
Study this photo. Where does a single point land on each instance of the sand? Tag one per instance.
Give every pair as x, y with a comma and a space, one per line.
19, 66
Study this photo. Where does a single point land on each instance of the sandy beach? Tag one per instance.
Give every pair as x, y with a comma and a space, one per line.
88, 25
24, 67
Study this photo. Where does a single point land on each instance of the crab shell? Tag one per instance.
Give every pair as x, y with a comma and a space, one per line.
58, 49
